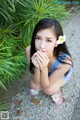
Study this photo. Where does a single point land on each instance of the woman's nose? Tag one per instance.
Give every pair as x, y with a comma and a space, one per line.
42, 45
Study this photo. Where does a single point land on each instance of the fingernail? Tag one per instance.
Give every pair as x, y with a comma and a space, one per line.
38, 51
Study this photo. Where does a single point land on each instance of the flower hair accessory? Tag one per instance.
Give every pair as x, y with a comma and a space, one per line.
61, 40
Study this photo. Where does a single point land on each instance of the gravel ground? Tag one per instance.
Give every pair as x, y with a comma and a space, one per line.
23, 107
76, 114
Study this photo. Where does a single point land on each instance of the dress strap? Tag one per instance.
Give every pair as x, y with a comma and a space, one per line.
62, 57
54, 67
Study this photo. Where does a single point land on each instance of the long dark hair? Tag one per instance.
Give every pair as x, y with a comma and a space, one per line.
43, 24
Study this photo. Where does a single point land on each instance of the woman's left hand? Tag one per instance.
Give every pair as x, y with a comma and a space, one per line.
43, 60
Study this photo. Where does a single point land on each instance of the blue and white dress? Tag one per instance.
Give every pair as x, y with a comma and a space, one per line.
62, 57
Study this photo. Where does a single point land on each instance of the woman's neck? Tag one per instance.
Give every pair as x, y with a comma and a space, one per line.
51, 61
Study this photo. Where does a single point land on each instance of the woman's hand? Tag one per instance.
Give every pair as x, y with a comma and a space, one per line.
42, 60
34, 59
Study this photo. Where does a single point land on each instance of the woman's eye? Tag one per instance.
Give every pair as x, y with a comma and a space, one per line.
37, 38
49, 41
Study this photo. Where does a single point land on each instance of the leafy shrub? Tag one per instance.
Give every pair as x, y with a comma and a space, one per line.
31, 11
3, 105
12, 57
24, 14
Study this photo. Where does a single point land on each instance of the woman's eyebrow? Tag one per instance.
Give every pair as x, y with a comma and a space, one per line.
49, 37
46, 37
38, 36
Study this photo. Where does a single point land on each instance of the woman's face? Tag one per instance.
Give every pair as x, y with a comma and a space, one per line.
45, 41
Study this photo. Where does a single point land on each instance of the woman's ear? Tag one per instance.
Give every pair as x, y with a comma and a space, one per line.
55, 44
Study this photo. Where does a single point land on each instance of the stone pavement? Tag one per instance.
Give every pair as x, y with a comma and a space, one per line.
76, 113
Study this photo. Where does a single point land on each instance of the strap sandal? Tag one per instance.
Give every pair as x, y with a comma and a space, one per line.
33, 92
57, 98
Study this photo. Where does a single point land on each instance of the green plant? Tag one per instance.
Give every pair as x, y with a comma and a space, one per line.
22, 15
3, 105
12, 57
32, 11
7, 10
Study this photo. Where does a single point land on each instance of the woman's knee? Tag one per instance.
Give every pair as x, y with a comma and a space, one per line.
51, 90
34, 86
54, 88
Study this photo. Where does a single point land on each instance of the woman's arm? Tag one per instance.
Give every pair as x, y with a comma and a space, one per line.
43, 64
44, 78
35, 78
58, 73
47, 81
28, 54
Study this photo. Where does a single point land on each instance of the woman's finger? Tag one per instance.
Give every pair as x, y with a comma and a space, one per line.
43, 56
39, 57
34, 55
35, 62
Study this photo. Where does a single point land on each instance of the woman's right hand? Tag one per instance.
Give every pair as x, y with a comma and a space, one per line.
34, 59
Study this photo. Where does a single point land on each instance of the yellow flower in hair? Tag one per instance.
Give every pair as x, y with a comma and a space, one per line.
61, 40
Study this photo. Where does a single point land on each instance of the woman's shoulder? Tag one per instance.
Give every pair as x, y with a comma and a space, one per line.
64, 57
28, 53
28, 48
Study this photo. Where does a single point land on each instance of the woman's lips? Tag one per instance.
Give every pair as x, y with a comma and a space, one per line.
43, 51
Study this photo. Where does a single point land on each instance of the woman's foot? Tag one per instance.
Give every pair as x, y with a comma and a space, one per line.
33, 92
57, 98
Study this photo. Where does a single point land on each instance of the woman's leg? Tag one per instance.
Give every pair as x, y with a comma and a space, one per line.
34, 85
55, 87
35, 88
55, 92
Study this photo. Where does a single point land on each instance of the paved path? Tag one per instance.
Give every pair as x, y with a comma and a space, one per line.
21, 106
74, 31
76, 114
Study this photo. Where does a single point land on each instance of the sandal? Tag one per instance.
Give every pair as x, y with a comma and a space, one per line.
33, 92
57, 98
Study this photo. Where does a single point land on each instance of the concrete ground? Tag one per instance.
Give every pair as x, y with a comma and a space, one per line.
76, 113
